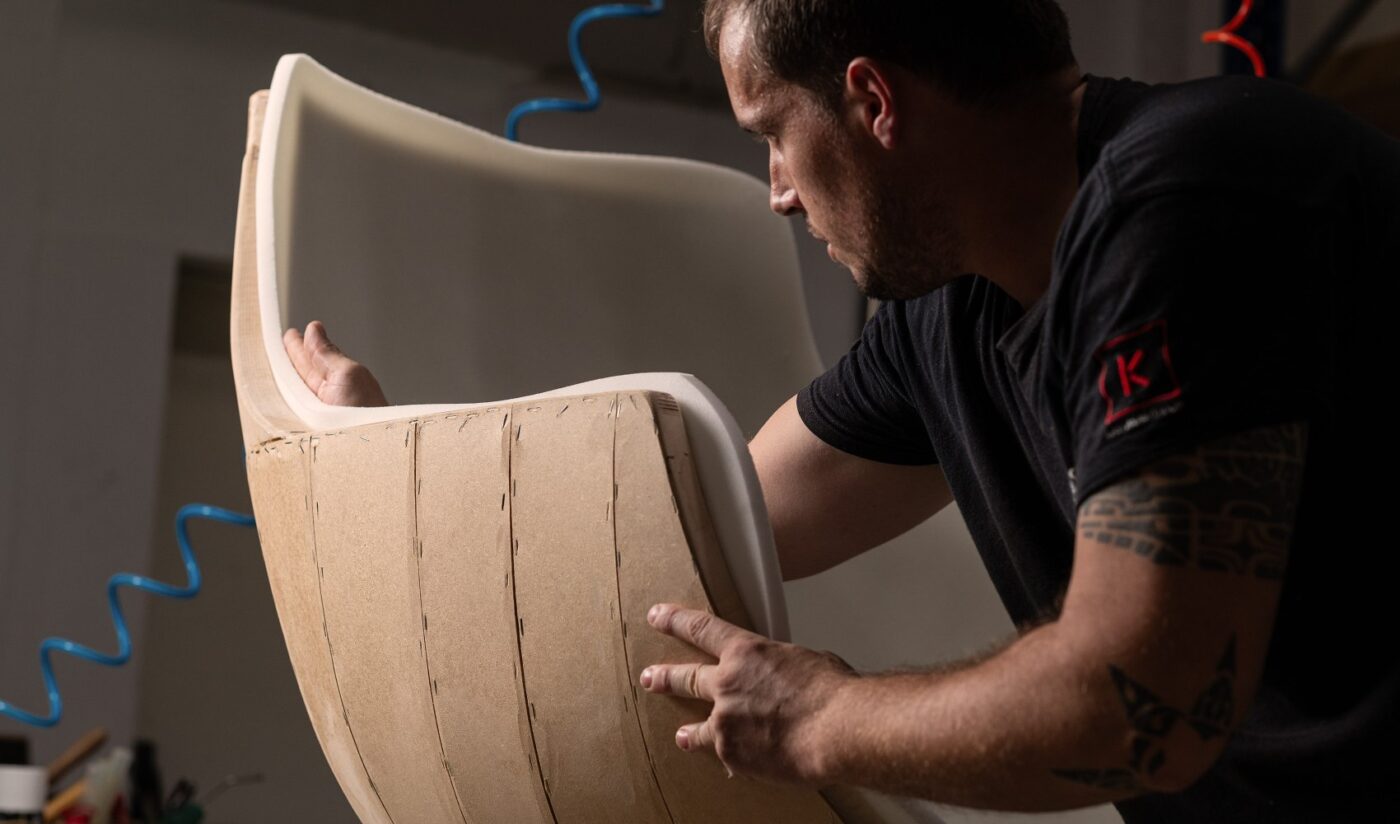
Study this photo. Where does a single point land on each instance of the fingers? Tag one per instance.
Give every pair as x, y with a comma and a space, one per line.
699, 629
313, 355
693, 737
698, 738
326, 355
301, 360
685, 680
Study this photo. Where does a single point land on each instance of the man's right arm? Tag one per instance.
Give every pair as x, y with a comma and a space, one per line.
826, 505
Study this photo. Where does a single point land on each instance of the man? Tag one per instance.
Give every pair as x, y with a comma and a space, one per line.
1137, 401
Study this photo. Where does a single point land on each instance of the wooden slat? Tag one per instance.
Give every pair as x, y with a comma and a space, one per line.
656, 565
363, 504
469, 602
279, 482
587, 733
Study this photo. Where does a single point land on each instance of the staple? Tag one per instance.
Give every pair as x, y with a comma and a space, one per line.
406, 433
425, 623
522, 625
420, 486
504, 420
363, 438
451, 416
633, 399
562, 411
463, 424
533, 409
435, 686
517, 432
503, 502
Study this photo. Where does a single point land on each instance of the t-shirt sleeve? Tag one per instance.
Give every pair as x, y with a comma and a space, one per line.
862, 405
1186, 317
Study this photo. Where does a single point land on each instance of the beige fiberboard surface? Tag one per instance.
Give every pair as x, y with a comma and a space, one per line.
406, 602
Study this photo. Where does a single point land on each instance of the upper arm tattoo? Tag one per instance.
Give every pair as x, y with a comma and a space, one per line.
1238, 516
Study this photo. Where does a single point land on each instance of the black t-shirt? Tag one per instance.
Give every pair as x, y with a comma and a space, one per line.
1222, 267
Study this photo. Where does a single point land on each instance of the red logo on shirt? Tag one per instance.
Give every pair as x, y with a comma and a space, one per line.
1136, 371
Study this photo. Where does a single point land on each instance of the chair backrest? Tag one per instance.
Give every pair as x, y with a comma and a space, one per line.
456, 580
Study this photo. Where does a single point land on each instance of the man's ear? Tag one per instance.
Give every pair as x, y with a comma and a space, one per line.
870, 99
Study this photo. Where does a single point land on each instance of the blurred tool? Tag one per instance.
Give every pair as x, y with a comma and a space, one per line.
76, 753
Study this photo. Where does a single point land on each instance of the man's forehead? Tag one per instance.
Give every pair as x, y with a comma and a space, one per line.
752, 93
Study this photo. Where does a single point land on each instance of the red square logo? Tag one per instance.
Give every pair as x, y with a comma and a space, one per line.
1136, 371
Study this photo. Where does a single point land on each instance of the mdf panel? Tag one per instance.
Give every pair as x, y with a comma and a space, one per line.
280, 485
655, 565
364, 509
587, 731
473, 652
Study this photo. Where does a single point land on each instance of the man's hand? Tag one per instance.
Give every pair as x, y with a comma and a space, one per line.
769, 696
333, 377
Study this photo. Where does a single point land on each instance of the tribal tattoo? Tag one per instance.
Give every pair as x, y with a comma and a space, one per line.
1152, 720
1227, 505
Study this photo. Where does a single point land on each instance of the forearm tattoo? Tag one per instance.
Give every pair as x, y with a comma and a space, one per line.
1227, 505
1152, 720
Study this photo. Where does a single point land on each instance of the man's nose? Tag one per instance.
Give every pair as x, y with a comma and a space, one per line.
784, 201
782, 197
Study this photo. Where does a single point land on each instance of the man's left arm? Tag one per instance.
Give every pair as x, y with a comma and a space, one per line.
1135, 688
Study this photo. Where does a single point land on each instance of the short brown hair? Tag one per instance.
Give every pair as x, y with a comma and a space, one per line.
977, 50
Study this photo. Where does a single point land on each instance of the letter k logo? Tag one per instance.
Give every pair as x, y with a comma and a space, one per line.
1136, 371
1126, 374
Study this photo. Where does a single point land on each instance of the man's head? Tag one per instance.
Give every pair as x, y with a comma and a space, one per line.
846, 94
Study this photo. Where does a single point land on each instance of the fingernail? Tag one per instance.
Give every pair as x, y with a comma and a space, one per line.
646, 678
655, 611
683, 739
